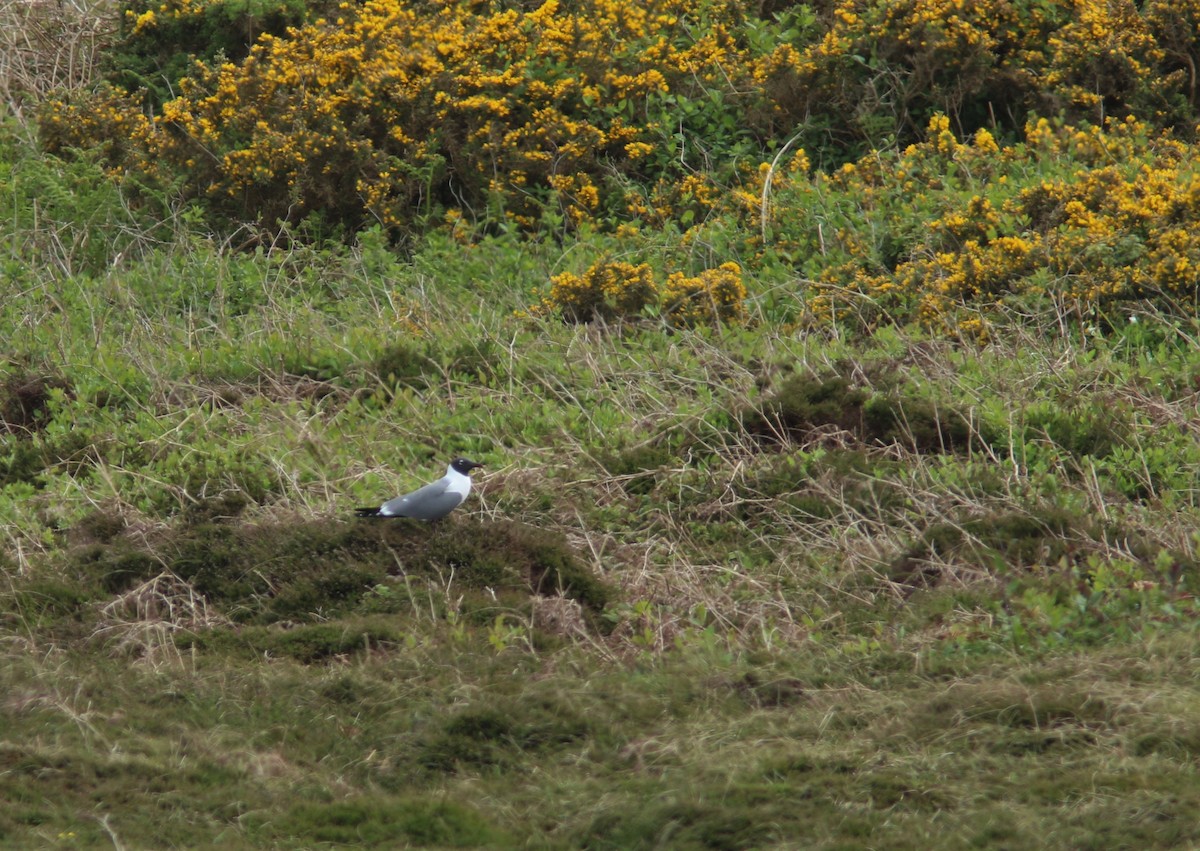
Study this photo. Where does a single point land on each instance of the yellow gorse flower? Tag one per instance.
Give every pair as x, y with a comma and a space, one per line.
618, 290
1108, 227
359, 115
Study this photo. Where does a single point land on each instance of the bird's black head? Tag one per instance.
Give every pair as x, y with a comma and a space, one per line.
464, 466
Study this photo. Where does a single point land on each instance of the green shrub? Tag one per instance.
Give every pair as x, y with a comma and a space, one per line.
65, 216
43, 601
25, 400
804, 403
428, 363
916, 423
115, 567
824, 484
1043, 541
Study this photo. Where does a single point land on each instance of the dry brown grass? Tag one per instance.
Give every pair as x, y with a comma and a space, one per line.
144, 622
50, 44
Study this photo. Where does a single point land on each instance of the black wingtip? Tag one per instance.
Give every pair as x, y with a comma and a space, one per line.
367, 512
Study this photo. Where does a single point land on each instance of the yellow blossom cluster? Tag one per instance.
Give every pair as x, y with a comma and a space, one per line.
618, 290
714, 296
105, 121
605, 291
975, 60
1105, 56
151, 15
1084, 215
394, 110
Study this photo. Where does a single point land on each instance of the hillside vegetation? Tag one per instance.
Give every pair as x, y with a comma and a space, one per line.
836, 368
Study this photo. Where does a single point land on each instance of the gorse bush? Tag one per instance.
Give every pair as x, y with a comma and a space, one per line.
735, 137
1086, 216
391, 112
402, 114
880, 69
604, 291
620, 290
883, 69
160, 42
715, 295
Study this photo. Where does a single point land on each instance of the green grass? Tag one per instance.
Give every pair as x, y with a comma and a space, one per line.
444, 748
747, 587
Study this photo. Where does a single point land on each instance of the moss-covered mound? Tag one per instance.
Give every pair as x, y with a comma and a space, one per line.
807, 407
1040, 538
309, 570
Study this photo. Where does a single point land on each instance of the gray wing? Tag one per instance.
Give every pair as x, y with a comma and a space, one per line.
428, 503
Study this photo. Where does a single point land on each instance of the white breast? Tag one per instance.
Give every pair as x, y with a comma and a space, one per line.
458, 483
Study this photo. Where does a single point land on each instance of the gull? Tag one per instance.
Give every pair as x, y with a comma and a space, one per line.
432, 502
